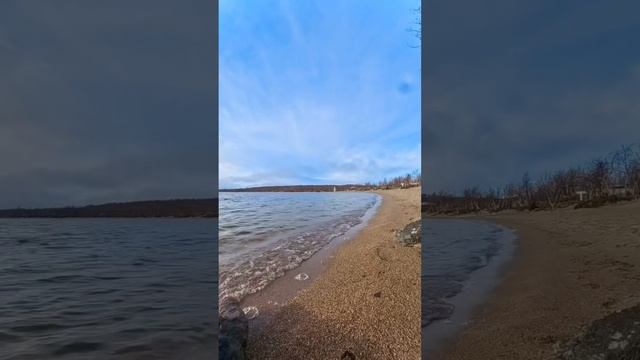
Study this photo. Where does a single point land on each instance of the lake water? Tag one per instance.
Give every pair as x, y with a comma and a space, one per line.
461, 263
263, 235
108, 288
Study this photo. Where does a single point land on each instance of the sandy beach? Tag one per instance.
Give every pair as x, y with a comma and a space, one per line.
366, 302
571, 267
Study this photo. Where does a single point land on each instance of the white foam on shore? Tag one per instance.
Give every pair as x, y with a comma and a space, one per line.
261, 267
251, 312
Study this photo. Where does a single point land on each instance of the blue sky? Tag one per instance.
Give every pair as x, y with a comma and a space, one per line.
317, 92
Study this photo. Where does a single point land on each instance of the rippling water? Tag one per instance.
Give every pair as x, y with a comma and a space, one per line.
108, 288
452, 250
262, 235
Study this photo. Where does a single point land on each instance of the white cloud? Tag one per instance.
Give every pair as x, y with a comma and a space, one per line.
315, 104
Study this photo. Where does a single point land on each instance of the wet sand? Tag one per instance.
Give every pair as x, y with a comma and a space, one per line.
476, 290
270, 300
367, 301
571, 267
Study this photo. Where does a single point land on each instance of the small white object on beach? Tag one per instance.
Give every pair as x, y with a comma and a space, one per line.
301, 277
251, 312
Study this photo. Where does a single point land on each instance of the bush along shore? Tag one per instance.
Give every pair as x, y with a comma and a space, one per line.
609, 179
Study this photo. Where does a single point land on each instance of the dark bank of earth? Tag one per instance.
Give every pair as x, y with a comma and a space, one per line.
614, 337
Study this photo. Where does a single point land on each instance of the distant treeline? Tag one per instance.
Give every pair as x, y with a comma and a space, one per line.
404, 181
299, 188
608, 179
408, 180
180, 208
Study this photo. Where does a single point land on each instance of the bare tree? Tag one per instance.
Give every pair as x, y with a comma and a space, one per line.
416, 27
598, 178
551, 187
553, 190
526, 190
625, 165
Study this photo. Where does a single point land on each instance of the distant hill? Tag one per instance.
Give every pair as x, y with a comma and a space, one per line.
180, 208
405, 181
305, 188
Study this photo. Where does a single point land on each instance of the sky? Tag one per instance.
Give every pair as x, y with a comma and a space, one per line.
317, 92
515, 86
106, 101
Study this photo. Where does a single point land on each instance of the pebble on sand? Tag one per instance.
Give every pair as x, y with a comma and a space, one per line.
301, 277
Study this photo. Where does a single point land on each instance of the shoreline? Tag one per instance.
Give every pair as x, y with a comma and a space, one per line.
283, 289
572, 267
366, 302
475, 292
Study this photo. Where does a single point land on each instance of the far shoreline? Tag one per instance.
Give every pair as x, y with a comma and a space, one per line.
174, 208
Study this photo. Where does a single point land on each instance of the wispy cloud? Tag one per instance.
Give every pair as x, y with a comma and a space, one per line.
317, 92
